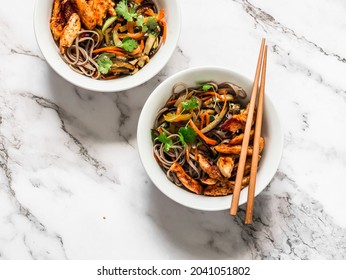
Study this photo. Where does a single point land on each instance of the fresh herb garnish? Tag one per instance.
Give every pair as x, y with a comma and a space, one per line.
190, 104
129, 44
168, 143
207, 87
140, 23
104, 63
152, 23
187, 135
124, 11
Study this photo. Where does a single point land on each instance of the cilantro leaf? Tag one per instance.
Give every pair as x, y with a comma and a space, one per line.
152, 23
207, 87
124, 11
187, 135
190, 104
168, 143
104, 63
129, 44
140, 23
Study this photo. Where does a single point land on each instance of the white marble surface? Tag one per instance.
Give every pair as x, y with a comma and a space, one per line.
71, 182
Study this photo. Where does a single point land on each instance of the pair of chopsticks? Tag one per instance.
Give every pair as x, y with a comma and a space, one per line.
261, 69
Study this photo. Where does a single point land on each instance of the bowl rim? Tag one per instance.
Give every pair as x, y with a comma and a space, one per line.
159, 60
143, 133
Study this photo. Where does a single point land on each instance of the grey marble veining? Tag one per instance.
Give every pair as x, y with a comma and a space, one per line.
71, 182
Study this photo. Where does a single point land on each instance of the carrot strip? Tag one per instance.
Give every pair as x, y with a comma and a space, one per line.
131, 35
117, 26
139, 49
204, 120
150, 12
160, 15
213, 93
206, 139
138, 2
142, 45
118, 53
201, 124
108, 49
205, 117
164, 25
171, 102
129, 26
179, 109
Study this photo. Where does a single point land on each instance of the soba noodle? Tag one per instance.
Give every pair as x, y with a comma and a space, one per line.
80, 57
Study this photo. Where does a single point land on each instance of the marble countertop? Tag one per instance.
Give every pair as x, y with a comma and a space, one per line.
71, 182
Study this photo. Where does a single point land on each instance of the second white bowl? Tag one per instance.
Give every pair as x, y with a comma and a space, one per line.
271, 131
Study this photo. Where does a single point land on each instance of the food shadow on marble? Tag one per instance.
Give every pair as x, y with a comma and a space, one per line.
104, 117
209, 235
107, 117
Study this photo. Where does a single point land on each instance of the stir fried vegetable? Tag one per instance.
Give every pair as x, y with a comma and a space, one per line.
134, 36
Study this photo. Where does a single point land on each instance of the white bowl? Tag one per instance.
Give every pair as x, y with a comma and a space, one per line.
271, 131
49, 49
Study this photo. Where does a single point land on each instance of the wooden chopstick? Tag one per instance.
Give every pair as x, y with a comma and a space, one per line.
245, 144
255, 155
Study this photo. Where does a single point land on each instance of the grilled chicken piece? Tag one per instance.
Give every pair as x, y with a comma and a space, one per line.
185, 179
224, 188
237, 122
86, 13
236, 149
57, 21
208, 168
239, 138
111, 11
208, 181
225, 165
67, 9
70, 32
218, 190
100, 8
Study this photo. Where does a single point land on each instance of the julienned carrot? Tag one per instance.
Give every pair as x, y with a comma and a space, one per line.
117, 26
171, 102
150, 12
160, 15
118, 53
139, 49
131, 35
179, 109
164, 25
206, 139
108, 49
204, 120
130, 25
213, 93
138, 2
206, 116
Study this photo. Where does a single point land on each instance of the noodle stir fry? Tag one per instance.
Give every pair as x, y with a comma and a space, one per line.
107, 39
197, 137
